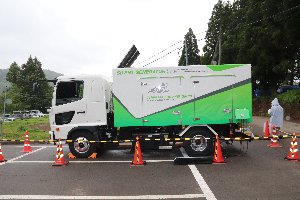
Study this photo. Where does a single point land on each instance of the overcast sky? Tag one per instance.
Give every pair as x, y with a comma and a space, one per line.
93, 36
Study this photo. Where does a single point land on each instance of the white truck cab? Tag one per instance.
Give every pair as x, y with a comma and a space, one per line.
83, 101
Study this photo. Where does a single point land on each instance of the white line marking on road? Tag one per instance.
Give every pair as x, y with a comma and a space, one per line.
87, 161
21, 156
200, 180
184, 196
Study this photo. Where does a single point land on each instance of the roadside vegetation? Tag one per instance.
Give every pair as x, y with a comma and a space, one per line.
37, 128
290, 101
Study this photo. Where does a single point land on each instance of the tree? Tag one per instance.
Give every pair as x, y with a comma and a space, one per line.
263, 33
219, 20
14, 73
22, 80
190, 47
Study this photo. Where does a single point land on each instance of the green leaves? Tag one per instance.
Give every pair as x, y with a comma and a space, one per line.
22, 79
189, 50
14, 73
263, 33
290, 97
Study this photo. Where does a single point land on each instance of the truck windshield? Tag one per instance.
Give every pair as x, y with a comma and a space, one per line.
67, 92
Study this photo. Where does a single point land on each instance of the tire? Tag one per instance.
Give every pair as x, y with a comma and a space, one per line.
85, 148
199, 147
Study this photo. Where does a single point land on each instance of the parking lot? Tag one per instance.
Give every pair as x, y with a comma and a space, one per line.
259, 173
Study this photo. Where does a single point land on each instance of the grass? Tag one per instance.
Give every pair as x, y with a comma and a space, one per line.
36, 127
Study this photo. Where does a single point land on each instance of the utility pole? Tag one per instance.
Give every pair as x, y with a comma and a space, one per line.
220, 44
4, 103
1, 121
186, 55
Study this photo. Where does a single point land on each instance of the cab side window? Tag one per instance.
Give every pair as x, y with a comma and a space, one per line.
67, 92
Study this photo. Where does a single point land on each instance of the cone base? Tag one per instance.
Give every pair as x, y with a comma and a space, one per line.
219, 162
60, 164
292, 159
3, 160
26, 150
138, 164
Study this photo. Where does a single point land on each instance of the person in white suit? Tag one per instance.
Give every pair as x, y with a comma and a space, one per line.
276, 114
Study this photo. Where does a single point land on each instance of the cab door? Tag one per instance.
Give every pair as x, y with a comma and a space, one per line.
69, 106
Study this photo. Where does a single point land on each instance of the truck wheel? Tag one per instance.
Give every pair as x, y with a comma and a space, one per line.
199, 145
82, 148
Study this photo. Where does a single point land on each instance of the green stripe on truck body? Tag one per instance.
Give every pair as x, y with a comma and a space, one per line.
216, 108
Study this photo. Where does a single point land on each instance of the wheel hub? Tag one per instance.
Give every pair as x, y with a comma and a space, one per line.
81, 145
198, 143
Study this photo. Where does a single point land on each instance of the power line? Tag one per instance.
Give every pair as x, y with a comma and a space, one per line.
160, 52
165, 54
161, 57
266, 18
168, 48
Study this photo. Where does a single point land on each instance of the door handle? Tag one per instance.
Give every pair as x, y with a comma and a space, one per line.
145, 120
80, 112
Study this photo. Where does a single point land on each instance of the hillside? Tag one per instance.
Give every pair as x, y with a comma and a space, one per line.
51, 74
48, 73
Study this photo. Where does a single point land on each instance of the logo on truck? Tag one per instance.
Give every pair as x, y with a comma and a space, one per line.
162, 88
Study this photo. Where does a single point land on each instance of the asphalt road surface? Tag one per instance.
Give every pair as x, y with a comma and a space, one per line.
257, 173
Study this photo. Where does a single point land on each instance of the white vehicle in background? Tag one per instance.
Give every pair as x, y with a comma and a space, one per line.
36, 113
18, 114
9, 118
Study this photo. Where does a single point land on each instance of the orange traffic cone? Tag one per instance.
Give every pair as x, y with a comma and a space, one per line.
27, 147
267, 130
2, 159
274, 141
60, 158
218, 155
137, 158
293, 154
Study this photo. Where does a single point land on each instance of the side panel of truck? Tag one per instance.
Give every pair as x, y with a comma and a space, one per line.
181, 95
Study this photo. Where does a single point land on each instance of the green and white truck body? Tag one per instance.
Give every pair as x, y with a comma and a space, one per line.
192, 95
184, 101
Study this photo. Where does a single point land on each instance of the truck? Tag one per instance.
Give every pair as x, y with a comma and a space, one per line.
194, 103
